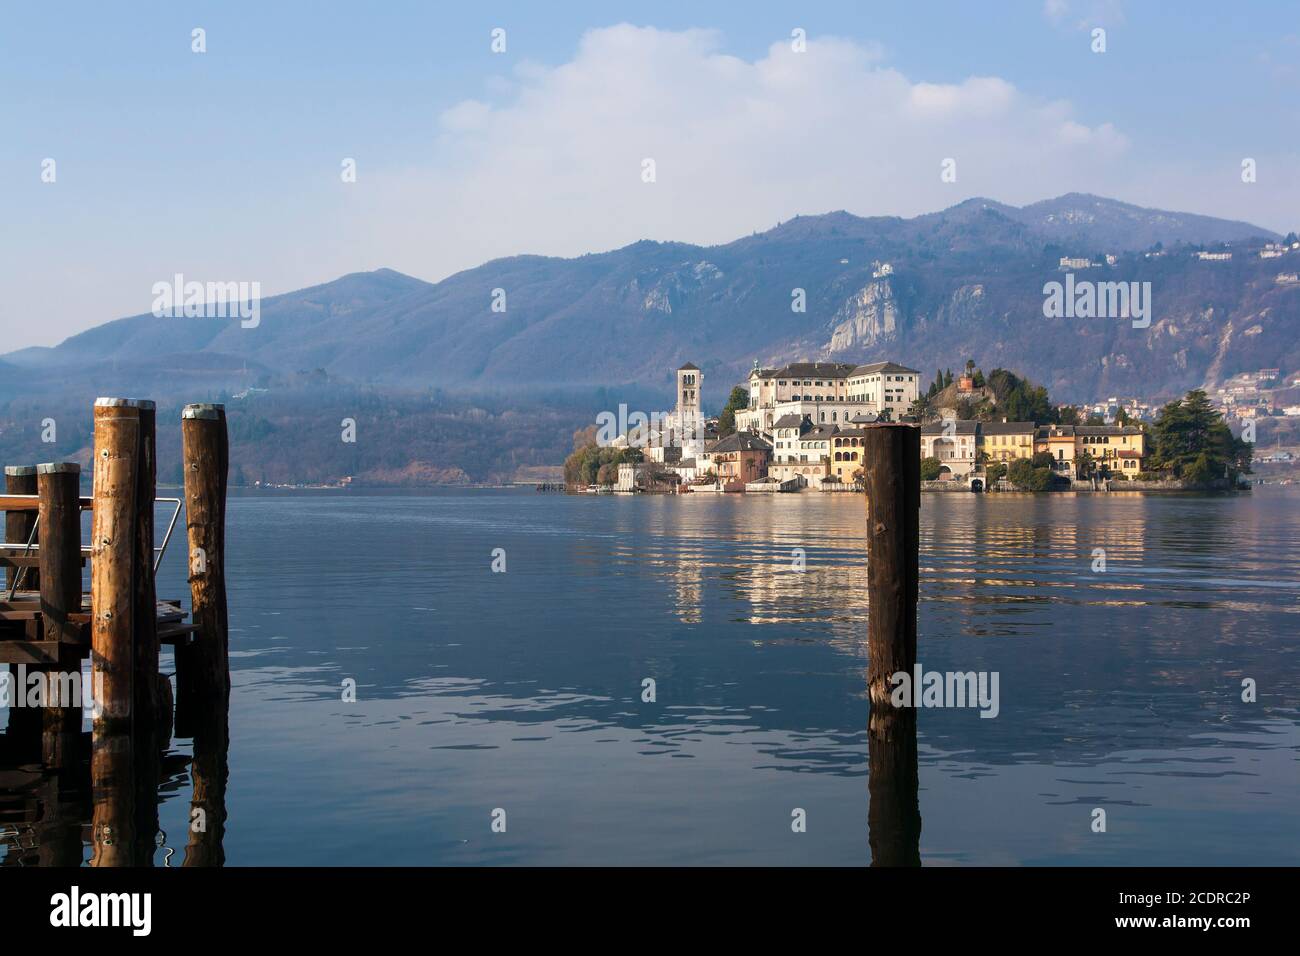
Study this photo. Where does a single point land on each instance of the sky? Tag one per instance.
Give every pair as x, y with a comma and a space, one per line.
228, 165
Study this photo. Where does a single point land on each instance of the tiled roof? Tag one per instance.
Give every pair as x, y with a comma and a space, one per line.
1006, 428
951, 427
1107, 430
740, 441
888, 367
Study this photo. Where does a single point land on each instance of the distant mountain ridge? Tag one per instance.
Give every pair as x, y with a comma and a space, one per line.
962, 283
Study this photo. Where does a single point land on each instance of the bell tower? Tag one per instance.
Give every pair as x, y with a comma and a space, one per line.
689, 379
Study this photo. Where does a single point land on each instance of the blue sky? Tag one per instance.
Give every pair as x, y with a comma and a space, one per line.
225, 165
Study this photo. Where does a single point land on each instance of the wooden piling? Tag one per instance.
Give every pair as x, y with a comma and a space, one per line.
892, 464
59, 486
203, 666
20, 480
112, 578
144, 606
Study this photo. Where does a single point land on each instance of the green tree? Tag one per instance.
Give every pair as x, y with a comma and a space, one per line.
930, 468
1193, 442
1026, 477
737, 400
994, 471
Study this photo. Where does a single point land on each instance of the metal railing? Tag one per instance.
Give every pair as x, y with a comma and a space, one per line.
31, 547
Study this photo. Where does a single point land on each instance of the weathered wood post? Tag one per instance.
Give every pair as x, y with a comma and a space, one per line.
892, 464
144, 607
203, 665
20, 480
59, 486
112, 577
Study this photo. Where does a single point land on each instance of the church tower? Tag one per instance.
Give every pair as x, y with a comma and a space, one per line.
689, 380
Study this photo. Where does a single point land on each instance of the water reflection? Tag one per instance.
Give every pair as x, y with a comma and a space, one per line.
72, 796
1120, 688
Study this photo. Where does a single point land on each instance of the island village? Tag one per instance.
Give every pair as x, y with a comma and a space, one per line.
803, 428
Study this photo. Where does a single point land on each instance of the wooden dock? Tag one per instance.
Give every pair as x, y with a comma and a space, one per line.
50, 625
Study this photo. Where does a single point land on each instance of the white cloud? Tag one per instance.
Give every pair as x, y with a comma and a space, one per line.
555, 167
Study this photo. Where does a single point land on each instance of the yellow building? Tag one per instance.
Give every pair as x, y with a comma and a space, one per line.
1117, 449
1057, 441
1114, 449
847, 447
1006, 441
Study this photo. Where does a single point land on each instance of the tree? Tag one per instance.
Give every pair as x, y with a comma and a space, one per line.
1084, 464
994, 471
1193, 442
1067, 415
930, 468
1095, 420
1121, 417
1026, 477
920, 408
738, 399
1042, 459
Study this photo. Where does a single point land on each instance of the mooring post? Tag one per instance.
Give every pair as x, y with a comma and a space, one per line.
20, 480
112, 572
203, 665
58, 485
144, 612
892, 464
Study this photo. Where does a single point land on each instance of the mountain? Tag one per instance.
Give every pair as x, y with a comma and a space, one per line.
963, 283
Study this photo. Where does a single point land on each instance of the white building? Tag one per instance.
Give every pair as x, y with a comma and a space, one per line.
827, 393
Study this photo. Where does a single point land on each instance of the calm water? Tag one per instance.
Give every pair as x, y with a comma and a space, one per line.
522, 690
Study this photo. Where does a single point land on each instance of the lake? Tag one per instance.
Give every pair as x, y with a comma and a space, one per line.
479, 692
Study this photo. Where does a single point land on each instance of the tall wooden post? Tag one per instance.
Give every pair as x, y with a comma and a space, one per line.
112, 577
144, 610
203, 665
20, 480
58, 485
892, 464
892, 467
